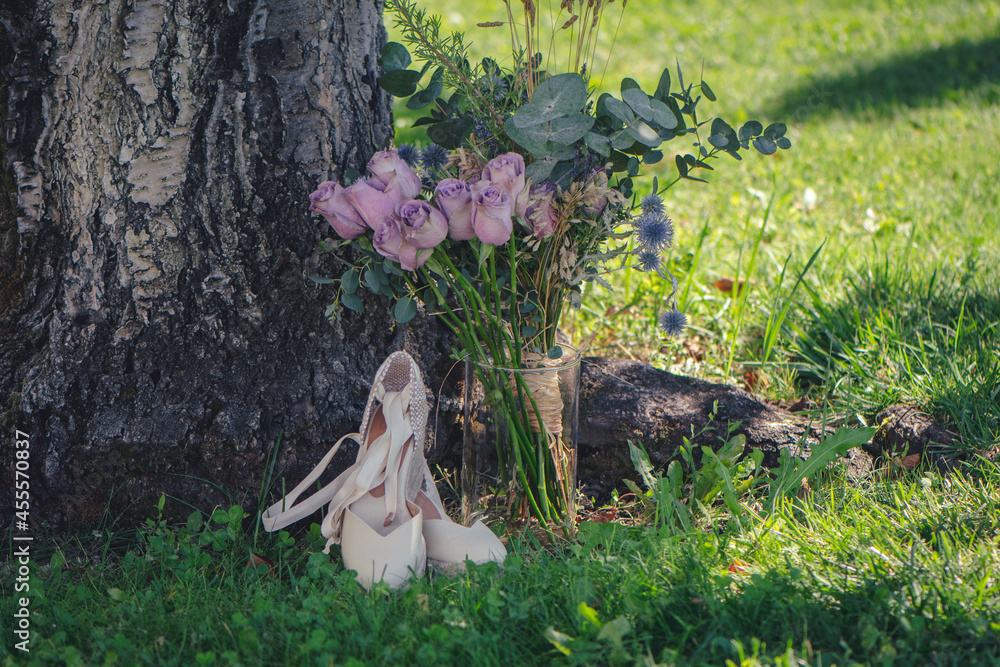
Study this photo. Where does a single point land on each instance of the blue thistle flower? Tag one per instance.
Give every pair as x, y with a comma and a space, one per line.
673, 322
655, 231
409, 154
499, 86
649, 260
434, 157
484, 135
652, 203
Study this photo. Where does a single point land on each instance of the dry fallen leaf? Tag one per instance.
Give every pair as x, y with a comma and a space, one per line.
726, 285
257, 560
910, 462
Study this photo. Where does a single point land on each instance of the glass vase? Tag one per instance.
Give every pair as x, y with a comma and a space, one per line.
520, 439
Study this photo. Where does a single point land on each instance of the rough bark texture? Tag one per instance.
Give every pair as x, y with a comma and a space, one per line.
158, 328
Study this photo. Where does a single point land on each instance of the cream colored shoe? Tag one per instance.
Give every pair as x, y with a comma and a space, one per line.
371, 511
449, 544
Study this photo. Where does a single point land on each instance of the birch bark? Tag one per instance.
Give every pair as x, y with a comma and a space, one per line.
157, 327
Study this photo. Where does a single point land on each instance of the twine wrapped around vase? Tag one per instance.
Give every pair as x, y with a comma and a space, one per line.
544, 388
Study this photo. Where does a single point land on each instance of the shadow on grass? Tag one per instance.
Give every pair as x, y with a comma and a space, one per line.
912, 79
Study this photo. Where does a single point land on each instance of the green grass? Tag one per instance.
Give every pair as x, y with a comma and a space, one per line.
894, 111
900, 571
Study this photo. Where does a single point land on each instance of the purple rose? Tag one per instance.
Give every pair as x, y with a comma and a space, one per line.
507, 171
390, 242
491, 211
423, 226
541, 213
387, 239
391, 171
330, 202
373, 205
455, 200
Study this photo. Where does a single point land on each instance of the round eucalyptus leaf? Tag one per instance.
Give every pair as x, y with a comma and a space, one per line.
625, 187
720, 126
540, 169
490, 67
629, 83
621, 140
568, 130
602, 111
350, 176
619, 110
555, 352
535, 139
535, 114
425, 96
562, 93
638, 101
662, 115
619, 161
400, 82
784, 143
765, 145
449, 133
718, 140
652, 157
643, 133
775, 131
394, 57
750, 129
598, 143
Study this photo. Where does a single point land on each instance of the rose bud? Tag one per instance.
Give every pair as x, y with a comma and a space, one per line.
422, 225
329, 201
388, 238
491, 213
373, 205
392, 171
507, 171
455, 200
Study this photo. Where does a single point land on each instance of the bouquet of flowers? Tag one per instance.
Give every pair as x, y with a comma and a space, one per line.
525, 195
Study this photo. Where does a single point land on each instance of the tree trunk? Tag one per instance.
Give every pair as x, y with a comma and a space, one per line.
157, 327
